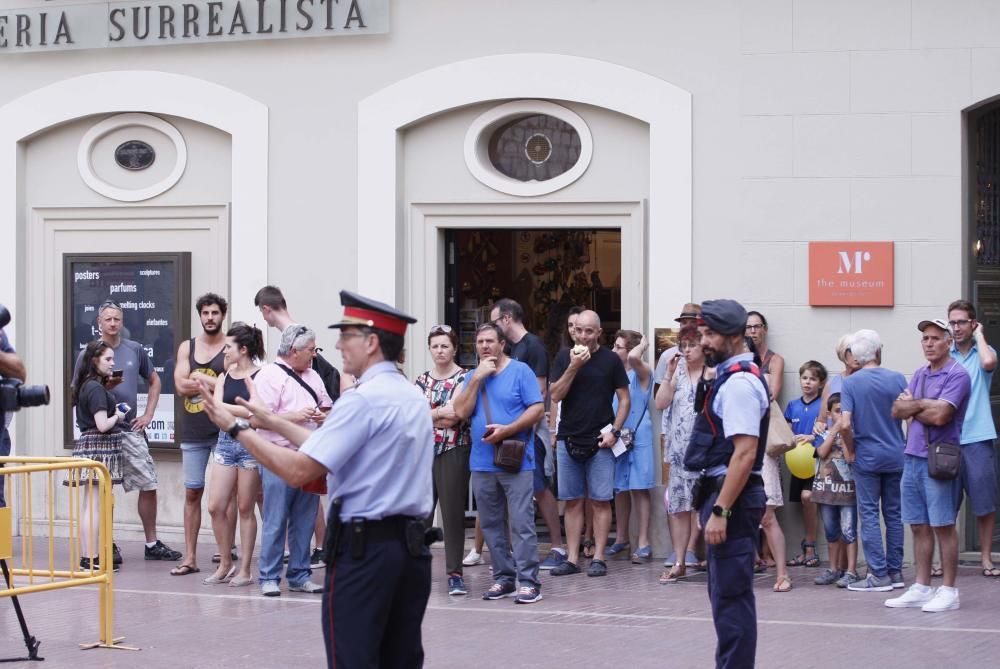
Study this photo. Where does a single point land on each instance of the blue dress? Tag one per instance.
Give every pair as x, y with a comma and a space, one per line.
634, 469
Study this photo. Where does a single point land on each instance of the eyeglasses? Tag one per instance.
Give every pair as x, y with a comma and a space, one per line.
318, 349
959, 324
440, 329
686, 345
754, 328
346, 335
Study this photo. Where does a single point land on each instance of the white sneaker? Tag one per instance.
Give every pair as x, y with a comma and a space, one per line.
472, 559
915, 596
307, 586
945, 599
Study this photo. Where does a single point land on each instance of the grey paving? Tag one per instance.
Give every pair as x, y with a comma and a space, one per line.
624, 620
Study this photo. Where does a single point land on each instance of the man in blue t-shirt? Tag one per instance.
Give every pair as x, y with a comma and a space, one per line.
503, 401
868, 428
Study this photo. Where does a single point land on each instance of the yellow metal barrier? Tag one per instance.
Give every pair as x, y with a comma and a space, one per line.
60, 484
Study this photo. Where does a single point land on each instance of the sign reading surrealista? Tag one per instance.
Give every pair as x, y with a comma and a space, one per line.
853, 274
51, 27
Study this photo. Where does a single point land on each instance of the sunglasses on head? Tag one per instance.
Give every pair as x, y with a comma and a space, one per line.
440, 329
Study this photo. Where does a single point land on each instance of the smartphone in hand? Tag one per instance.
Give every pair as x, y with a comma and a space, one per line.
117, 373
489, 432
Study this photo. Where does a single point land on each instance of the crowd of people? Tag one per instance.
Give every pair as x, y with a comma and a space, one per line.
580, 429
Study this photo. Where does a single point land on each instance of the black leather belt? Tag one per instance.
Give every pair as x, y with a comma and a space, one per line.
391, 528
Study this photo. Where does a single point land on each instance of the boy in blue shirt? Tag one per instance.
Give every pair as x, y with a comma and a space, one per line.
802, 415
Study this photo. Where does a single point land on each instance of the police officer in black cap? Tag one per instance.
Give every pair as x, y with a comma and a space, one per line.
727, 447
376, 448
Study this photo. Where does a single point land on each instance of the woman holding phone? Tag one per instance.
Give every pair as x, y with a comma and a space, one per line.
99, 420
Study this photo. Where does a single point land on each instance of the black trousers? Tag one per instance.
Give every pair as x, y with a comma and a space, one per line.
373, 607
730, 579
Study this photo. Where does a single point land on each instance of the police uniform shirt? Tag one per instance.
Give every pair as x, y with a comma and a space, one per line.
742, 400
378, 445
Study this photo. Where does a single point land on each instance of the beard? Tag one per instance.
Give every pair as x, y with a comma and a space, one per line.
212, 329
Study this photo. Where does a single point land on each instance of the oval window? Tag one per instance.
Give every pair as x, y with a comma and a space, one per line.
536, 147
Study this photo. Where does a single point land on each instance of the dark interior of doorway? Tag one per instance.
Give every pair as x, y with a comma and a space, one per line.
547, 271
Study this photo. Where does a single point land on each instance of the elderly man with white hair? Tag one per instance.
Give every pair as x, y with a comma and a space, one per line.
876, 438
291, 389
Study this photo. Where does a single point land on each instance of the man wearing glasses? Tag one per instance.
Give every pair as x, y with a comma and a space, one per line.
978, 473
140, 472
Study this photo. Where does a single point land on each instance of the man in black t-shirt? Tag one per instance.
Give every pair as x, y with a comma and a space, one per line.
529, 349
585, 379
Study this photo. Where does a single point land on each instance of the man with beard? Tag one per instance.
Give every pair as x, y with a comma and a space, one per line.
727, 446
198, 433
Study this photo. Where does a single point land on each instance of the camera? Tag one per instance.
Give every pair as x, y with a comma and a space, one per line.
13, 393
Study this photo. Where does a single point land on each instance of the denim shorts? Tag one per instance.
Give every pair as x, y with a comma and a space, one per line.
840, 523
540, 480
194, 461
230, 452
928, 501
598, 472
979, 477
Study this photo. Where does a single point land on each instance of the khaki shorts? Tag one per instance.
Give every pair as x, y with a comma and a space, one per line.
138, 470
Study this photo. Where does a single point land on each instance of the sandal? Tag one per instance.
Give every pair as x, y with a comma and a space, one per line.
991, 571
184, 570
673, 576
760, 566
803, 560
936, 571
783, 584
587, 548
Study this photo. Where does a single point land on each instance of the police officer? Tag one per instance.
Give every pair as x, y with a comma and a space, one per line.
727, 447
376, 447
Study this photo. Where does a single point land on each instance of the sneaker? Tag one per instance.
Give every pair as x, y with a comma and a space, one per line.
499, 590
85, 564
116, 555
565, 569
597, 568
306, 586
528, 595
616, 549
671, 559
848, 578
556, 557
472, 559
872, 583
270, 589
285, 556
915, 596
828, 577
316, 560
456, 586
642, 555
897, 579
160, 551
945, 599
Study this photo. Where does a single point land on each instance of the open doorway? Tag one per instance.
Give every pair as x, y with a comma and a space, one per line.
547, 271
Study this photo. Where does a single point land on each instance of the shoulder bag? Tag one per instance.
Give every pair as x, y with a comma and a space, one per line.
316, 486
944, 459
628, 434
508, 455
780, 438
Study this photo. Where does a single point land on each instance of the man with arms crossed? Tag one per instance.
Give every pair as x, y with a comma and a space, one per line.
586, 378
978, 476
528, 348
138, 468
727, 446
199, 359
934, 403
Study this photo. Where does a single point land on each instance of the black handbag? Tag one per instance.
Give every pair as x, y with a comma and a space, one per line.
944, 459
508, 455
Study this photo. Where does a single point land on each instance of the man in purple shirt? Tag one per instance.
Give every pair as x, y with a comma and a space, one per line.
935, 403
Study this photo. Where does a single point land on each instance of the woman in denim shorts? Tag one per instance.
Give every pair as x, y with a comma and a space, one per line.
234, 468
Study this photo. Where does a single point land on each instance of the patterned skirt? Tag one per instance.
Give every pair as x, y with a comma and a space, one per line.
104, 447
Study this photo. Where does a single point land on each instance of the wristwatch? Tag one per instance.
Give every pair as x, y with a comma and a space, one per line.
617, 433
240, 425
720, 512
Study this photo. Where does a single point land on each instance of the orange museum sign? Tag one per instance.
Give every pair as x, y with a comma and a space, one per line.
854, 274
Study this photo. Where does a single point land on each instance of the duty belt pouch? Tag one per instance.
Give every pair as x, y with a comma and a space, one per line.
331, 541
415, 537
944, 460
359, 539
508, 455
581, 450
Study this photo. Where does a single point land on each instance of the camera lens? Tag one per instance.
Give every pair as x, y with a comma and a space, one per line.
32, 396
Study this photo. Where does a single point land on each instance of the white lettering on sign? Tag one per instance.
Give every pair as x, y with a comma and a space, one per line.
169, 22
86, 276
122, 288
858, 258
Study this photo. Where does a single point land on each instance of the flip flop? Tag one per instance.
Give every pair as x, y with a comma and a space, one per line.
671, 577
184, 570
991, 572
937, 572
783, 584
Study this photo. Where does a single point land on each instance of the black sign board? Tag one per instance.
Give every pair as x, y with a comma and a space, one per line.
154, 292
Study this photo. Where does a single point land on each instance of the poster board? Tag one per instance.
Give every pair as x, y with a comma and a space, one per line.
154, 292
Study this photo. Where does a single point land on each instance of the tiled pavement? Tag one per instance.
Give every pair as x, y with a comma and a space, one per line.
624, 620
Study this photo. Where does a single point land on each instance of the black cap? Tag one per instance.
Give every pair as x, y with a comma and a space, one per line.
727, 317
360, 311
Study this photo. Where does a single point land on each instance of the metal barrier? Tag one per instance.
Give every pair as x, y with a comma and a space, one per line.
54, 482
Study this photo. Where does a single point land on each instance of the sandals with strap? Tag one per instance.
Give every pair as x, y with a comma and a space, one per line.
783, 584
804, 560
